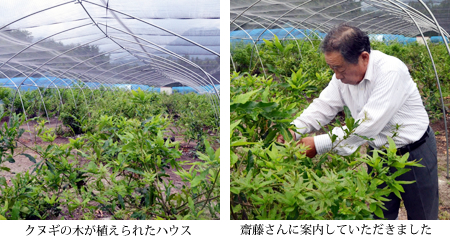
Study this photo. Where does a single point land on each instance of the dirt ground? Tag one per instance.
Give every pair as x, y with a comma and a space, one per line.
22, 163
444, 182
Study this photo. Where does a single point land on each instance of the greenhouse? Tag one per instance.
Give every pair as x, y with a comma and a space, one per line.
109, 109
283, 73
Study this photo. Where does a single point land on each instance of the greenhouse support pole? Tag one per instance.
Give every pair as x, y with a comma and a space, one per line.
439, 85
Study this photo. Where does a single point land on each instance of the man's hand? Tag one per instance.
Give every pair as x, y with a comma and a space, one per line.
309, 142
280, 138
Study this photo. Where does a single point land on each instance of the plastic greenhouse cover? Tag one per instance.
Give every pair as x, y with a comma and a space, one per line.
104, 42
257, 19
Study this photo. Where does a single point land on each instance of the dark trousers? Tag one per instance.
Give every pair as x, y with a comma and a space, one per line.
421, 198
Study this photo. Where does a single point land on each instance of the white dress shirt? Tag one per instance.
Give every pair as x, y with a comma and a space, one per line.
385, 97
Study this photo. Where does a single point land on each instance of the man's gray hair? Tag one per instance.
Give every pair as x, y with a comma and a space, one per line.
348, 40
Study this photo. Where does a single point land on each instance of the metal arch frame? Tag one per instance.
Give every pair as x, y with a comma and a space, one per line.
367, 22
209, 77
274, 21
78, 86
254, 45
439, 85
128, 63
137, 42
337, 16
80, 75
268, 20
150, 46
156, 47
180, 73
266, 29
35, 43
362, 15
433, 64
51, 59
319, 12
418, 15
186, 72
232, 21
21, 101
166, 51
153, 25
43, 10
308, 10
59, 93
255, 42
397, 23
385, 7
20, 95
82, 62
118, 66
298, 30
35, 85
415, 13
97, 25
391, 20
101, 81
120, 22
190, 75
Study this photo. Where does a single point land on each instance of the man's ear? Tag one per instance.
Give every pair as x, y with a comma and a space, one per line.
365, 58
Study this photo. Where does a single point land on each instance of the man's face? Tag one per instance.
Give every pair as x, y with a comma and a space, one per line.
348, 73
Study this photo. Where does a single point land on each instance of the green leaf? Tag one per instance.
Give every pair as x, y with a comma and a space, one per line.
233, 125
348, 113
122, 203
272, 134
392, 147
240, 143
191, 204
250, 160
265, 95
379, 212
243, 98
197, 179
135, 171
233, 158
31, 158
373, 207
2, 181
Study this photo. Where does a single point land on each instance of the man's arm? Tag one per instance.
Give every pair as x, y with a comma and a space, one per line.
387, 97
322, 110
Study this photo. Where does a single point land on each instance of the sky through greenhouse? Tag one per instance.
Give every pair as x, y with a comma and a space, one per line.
107, 42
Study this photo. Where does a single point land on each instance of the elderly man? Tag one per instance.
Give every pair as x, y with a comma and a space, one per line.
378, 88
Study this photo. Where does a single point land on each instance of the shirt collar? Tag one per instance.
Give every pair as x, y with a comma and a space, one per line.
369, 71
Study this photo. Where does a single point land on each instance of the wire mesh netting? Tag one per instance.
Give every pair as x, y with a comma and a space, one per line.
104, 44
407, 21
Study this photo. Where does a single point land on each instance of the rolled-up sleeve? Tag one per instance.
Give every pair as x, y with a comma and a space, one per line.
388, 95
